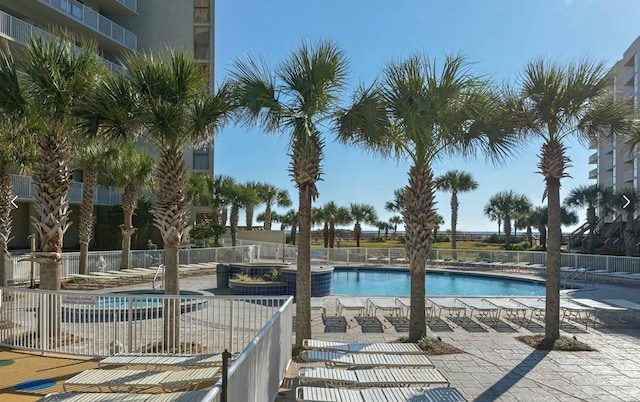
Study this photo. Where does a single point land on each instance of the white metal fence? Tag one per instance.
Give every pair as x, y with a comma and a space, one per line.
101, 324
21, 268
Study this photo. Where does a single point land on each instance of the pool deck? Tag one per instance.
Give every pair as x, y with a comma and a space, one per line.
494, 365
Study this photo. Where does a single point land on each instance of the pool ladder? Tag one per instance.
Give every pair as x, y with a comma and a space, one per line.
155, 277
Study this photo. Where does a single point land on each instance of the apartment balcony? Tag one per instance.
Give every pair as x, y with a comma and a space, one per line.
607, 148
627, 176
118, 7
593, 158
95, 21
19, 31
607, 184
593, 173
23, 188
628, 77
608, 165
628, 157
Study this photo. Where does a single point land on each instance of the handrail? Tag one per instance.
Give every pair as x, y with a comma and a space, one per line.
153, 283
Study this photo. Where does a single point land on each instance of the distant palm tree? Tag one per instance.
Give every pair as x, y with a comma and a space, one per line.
361, 213
508, 206
421, 113
556, 102
398, 201
589, 197
239, 196
270, 195
290, 219
439, 221
395, 221
539, 217
382, 225
456, 182
251, 200
303, 91
223, 187
334, 215
200, 188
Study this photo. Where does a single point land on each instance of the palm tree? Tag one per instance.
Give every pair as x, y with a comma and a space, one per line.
589, 197
421, 113
455, 181
362, 213
223, 187
334, 215
168, 94
382, 225
239, 196
131, 171
200, 188
395, 221
58, 75
398, 201
539, 218
91, 153
508, 206
439, 221
270, 195
290, 219
16, 151
303, 91
251, 200
556, 102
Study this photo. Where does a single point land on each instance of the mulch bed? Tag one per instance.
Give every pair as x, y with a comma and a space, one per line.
564, 343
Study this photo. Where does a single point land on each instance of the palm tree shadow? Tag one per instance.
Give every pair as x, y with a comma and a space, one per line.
512, 377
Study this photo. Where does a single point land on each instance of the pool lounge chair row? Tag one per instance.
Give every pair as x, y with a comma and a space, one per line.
188, 396
390, 394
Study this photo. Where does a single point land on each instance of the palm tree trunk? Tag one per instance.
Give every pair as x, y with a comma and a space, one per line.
357, 231
419, 217
233, 220
593, 223
332, 234
171, 216
129, 200
454, 223
529, 236
303, 272
249, 217
552, 313
6, 196
507, 232
294, 230
267, 217
86, 220
325, 234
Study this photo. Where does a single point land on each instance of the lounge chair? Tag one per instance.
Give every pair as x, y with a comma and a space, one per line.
405, 307
536, 308
317, 303
448, 305
396, 377
189, 396
510, 308
161, 359
131, 380
385, 394
349, 303
481, 307
399, 348
633, 307
382, 304
362, 360
616, 313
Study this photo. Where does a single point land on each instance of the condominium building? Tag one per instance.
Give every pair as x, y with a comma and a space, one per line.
117, 26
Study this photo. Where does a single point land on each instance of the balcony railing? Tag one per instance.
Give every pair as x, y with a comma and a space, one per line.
130, 4
593, 158
593, 173
20, 32
23, 188
627, 176
628, 76
629, 156
96, 21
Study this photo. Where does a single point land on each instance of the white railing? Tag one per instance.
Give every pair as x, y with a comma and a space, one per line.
130, 4
20, 32
96, 21
264, 361
21, 267
101, 324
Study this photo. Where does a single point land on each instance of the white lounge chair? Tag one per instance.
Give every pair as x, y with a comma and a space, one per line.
385, 394
355, 360
405, 306
130, 380
188, 396
317, 303
448, 305
396, 377
633, 307
481, 307
161, 359
616, 313
382, 304
508, 307
371, 347
536, 308
349, 303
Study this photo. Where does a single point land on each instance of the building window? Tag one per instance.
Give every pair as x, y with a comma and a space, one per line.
201, 43
201, 158
201, 11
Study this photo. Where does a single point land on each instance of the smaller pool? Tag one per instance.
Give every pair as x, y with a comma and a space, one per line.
386, 282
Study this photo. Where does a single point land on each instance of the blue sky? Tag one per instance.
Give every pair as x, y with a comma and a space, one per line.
498, 36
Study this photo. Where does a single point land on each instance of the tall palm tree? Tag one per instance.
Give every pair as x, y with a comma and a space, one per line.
395, 221
508, 206
290, 219
251, 201
362, 213
589, 197
239, 196
168, 93
421, 113
554, 103
455, 181
58, 75
270, 195
16, 151
301, 93
223, 187
131, 171
334, 215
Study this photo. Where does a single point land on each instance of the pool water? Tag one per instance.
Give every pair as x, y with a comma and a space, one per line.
367, 282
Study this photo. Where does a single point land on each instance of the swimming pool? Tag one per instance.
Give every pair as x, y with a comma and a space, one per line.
385, 282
